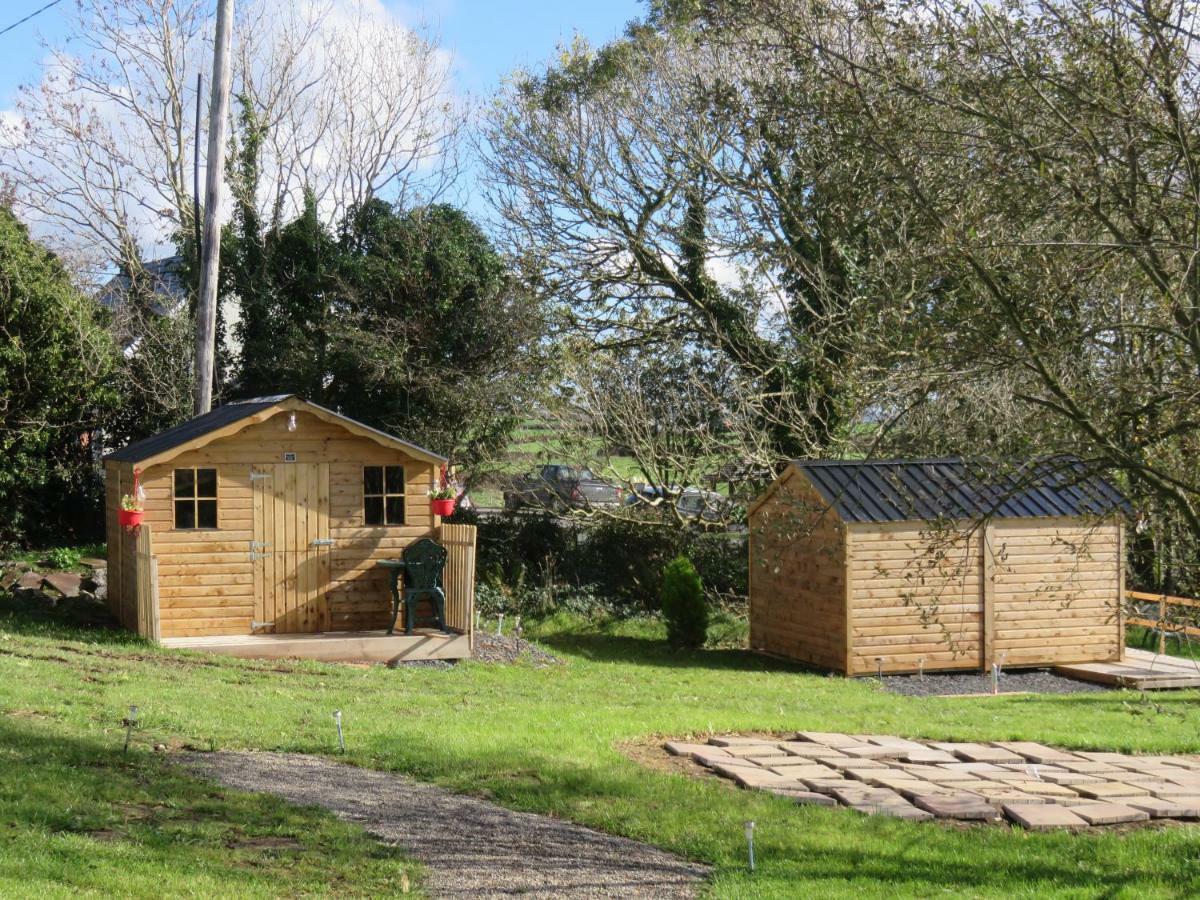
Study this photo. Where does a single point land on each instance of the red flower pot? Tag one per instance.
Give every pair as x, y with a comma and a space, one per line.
130, 518
442, 507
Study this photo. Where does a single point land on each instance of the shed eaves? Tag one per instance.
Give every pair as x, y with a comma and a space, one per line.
227, 415
953, 489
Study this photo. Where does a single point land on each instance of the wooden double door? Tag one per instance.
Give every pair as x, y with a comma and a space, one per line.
291, 547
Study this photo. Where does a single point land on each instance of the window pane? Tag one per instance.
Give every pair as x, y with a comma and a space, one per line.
395, 479
207, 513
373, 510
372, 479
395, 510
185, 514
185, 483
206, 482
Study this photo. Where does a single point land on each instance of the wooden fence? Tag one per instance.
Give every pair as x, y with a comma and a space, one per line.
1142, 605
458, 578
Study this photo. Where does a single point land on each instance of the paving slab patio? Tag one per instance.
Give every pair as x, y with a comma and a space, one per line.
1035, 786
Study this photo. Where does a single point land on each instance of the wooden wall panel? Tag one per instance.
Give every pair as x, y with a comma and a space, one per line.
915, 598
1057, 589
797, 576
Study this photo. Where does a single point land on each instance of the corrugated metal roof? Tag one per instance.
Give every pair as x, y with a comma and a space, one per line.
955, 489
227, 415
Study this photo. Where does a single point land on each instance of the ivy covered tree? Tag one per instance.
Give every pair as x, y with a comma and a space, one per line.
56, 366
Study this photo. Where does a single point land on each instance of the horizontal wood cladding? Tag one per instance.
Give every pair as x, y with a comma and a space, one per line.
207, 578
1057, 589
797, 577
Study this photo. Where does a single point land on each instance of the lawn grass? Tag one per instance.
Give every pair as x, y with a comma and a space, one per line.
549, 740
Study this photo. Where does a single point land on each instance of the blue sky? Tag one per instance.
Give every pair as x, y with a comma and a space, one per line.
487, 37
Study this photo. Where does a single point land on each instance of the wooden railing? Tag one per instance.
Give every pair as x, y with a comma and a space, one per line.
458, 578
1164, 623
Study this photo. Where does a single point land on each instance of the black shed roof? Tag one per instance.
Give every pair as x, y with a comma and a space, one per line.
955, 489
233, 412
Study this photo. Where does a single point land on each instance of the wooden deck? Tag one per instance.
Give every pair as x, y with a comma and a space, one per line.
1140, 670
333, 646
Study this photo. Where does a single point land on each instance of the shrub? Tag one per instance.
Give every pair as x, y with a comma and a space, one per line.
64, 557
683, 605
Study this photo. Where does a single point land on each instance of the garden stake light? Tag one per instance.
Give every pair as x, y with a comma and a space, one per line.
500, 625
995, 678
337, 718
879, 668
921, 668
129, 724
750, 842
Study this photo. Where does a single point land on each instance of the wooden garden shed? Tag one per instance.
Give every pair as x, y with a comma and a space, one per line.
907, 565
264, 521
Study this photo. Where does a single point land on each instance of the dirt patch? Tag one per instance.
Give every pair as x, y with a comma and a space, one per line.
493, 648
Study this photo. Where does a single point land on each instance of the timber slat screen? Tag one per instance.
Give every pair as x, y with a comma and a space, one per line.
147, 585
1141, 604
458, 578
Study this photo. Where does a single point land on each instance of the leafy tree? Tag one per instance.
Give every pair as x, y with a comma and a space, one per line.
433, 335
683, 605
56, 362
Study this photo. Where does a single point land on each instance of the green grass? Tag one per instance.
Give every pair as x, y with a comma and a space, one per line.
547, 740
57, 557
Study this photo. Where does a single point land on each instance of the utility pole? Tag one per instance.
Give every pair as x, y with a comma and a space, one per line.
210, 252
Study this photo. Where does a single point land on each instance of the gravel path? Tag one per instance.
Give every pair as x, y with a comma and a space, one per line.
472, 848
1038, 681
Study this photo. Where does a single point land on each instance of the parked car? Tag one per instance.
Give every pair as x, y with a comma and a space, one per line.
561, 487
702, 506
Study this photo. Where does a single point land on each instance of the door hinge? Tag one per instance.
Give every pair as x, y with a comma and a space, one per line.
322, 542
258, 476
255, 546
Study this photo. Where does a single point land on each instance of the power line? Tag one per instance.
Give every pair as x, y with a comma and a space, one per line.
36, 12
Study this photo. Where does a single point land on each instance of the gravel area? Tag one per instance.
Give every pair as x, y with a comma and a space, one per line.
471, 847
508, 649
1036, 681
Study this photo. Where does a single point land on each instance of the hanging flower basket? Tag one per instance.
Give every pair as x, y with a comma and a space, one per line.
130, 518
130, 513
442, 507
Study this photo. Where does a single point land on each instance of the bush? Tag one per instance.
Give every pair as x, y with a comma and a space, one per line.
683, 605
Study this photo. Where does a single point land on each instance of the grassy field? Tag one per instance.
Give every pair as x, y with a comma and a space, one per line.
80, 816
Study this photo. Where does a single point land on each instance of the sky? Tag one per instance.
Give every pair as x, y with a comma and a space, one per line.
487, 38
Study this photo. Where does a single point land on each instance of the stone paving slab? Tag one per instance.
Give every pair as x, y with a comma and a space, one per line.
1042, 818
1108, 813
809, 750
828, 738
1038, 787
956, 806
1035, 752
30, 580
1159, 808
1107, 790
65, 583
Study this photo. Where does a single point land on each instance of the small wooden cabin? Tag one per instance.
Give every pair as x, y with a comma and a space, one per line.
263, 524
935, 565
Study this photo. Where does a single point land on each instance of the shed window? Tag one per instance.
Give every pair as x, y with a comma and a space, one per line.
195, 498
383, 495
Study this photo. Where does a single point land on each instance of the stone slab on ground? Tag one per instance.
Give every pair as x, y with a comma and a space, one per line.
470, 847
8, 579
1105, 756
833, 739
735, 741
65, 583
1015, 797
1089, 767
894, 810
1108, 813
850, 762
1047, 789
928, 756
712, 759
1069, 778
870, 751
1159, 808
809, 750
30, 580
1107, 790
824, 785
749, 750
938, 775
772, 759
803, 798
683, 748
800, 771
956, 806
971, 767
977, 753
1035, 752
1044, 817
755, 778
886, 740
92, 563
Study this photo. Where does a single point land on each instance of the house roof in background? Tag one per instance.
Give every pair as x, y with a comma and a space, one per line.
957, 489
164, 280
195, 430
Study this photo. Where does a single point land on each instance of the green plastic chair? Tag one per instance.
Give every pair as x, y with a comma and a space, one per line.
424, 561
